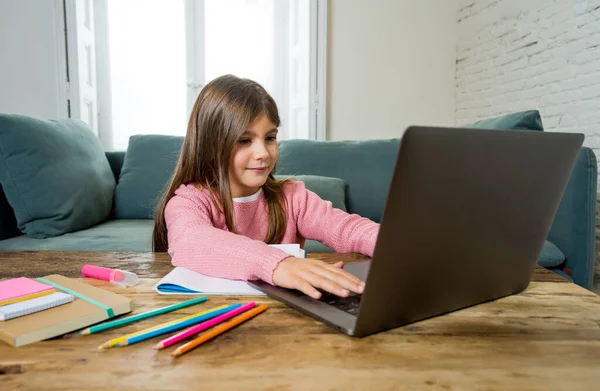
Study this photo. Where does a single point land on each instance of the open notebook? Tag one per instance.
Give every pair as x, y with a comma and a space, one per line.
182, 281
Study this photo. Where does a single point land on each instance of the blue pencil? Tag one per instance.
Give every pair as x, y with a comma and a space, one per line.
178, 326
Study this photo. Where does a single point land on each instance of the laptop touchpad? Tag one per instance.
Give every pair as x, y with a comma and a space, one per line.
359, 269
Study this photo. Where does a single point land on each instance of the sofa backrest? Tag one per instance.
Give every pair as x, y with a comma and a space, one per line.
365, 166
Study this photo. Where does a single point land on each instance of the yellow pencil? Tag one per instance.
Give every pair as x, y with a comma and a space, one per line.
113, 342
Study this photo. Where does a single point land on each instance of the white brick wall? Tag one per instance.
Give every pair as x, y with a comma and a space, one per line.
517, 55
522, 54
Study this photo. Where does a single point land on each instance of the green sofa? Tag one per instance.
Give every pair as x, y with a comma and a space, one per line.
364, 167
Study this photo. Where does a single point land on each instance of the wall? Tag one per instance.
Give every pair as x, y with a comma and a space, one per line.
29, 76
545, 54
390, 64
516, 55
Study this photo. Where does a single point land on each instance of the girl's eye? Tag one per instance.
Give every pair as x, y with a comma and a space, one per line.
272, 138
244, 141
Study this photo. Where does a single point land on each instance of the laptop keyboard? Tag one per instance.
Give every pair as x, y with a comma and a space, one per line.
348, 304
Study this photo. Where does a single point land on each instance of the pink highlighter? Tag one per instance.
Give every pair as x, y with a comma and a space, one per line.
115, 276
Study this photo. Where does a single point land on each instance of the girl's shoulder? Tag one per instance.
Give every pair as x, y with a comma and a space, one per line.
294, 190
189, 198
194, 192
293, 186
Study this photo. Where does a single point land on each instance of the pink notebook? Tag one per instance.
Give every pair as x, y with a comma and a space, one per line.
22, 288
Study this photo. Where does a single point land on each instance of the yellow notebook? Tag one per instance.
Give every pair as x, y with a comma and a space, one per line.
91, 305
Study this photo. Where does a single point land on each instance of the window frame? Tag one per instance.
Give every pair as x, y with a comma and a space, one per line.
317, 63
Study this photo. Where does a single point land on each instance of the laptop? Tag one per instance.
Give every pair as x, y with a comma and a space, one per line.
464, 222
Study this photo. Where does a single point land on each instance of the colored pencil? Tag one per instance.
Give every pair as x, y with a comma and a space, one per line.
113, 342
178, 326
219, 330
134, 318
165, 343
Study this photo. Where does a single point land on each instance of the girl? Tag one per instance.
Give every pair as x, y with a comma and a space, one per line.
223, 205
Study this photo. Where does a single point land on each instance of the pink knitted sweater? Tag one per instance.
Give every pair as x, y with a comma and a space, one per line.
200, 240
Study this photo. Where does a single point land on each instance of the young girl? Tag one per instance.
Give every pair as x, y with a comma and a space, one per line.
223, 205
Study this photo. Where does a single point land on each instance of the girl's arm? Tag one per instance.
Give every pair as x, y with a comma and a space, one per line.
196, 245
343, 232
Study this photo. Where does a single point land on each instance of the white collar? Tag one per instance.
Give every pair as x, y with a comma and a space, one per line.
249, 198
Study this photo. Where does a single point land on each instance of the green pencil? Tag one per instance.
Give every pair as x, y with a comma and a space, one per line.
158, 311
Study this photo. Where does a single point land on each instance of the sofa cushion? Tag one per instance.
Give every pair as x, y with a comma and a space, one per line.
366, 166
149, 163
574, 227
551, 256
329, 189
111, 235
313, 246
523, 120
55, 175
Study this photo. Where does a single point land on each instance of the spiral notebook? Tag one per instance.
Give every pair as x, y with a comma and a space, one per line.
34, 305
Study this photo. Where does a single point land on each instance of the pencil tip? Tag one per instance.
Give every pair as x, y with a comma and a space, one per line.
84, 332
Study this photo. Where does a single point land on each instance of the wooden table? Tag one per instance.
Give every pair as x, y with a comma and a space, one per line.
545, 338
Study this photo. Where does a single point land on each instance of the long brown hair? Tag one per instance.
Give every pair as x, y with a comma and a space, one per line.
221, 114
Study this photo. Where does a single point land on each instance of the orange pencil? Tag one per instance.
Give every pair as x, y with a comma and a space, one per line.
219, 330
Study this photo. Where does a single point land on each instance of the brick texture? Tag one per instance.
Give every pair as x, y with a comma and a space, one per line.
535, 54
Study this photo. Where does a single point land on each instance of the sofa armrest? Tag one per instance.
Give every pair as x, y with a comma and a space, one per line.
573, 230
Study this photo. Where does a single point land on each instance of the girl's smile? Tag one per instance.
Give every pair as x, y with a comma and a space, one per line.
259, 170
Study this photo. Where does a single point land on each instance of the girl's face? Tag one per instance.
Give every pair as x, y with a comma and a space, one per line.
253, 157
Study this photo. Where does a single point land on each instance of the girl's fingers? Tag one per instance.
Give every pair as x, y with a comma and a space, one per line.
322, 282
345, 274
341, 278
305, 287
308, 276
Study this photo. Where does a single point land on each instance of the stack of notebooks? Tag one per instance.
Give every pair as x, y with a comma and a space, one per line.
36, 309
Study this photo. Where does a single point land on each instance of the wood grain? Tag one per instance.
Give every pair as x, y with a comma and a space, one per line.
547, 337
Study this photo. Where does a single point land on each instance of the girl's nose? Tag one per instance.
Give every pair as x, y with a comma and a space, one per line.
260, 151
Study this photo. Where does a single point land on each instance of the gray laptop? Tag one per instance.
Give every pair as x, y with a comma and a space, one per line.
465, 220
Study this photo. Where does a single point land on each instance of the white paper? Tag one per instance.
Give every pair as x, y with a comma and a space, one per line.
181, 278
31, 306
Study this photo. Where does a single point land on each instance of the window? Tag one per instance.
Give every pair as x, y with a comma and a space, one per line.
154, 56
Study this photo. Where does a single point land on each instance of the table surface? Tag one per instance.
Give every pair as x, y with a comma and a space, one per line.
547, 337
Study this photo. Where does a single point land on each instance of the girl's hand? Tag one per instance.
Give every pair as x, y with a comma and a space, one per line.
308, 274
